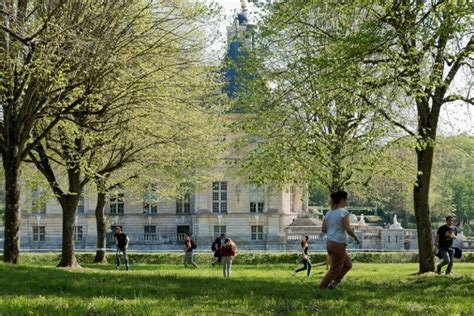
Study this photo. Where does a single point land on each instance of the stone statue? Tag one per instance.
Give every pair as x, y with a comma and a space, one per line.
396, 224
353, 219
362, 220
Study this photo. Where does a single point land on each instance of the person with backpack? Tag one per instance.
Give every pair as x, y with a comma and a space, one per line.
189, 246
227, 252
216, 247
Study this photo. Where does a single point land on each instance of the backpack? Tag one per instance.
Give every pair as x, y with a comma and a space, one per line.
193, 244
214, 246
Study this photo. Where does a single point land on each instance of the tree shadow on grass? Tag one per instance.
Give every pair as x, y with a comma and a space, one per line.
276, 294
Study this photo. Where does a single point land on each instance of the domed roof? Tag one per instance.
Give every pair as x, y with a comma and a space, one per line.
243, 18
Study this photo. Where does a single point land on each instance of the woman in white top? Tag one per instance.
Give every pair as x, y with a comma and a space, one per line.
336, 225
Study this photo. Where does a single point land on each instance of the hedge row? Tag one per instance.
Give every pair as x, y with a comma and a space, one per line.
242, 258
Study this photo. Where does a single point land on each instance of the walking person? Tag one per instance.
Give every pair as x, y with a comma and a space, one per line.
189, 246
216, 248
227, 252
121, 241
336, 225
444, 240
305, 258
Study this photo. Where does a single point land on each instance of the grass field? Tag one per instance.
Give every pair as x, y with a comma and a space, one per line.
369, 289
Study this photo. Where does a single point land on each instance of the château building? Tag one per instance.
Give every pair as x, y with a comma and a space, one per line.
256, 217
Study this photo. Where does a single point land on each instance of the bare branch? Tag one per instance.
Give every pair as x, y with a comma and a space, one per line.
457, 97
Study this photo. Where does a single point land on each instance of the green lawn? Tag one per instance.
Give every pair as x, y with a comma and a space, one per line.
369, 289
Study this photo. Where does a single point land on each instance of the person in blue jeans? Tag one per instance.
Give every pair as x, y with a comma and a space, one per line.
445, 236
121, 241
304, 255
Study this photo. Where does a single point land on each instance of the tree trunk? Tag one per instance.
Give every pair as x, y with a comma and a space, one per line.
422, 208
68, 257
11, 246
101, 228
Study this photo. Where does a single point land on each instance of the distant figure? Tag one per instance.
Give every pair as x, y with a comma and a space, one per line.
189, 246
227, 252
305, 258
216, 248
336, 224
121, 241
362, 220
444, 240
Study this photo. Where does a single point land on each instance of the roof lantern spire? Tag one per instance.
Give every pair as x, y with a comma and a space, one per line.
244, 4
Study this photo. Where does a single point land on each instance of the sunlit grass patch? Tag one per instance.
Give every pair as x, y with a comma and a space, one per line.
368, 289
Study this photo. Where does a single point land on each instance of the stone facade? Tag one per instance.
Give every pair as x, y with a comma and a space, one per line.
161, 227
256, 218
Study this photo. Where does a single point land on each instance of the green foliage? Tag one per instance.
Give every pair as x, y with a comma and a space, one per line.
453, 178
400, 58
151, 117
307, 121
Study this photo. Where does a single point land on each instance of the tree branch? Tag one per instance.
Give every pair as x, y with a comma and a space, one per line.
457, 97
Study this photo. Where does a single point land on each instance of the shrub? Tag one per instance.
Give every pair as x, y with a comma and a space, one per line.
249, 258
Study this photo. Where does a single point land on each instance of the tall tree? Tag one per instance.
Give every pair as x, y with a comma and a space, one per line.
48, 51
418, 49
408, 54
311, 125
146, 115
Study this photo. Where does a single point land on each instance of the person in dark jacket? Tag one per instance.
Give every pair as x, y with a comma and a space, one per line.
444, 239
216, 248
121, 241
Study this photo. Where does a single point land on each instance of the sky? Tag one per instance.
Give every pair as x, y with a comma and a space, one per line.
454, 119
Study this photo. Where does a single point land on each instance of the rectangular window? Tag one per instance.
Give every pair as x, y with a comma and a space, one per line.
80, 205
218, 230
116, 203
150, 200
150, 229
180, 230
257, 198
183, 205
38, 233
256, 207
150, 208
149, 232
78, 233
257, 232
219, 197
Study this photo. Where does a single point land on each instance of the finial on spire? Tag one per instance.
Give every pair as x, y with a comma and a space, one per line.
244, 4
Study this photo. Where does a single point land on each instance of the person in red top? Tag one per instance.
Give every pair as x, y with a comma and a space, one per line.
227, 252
